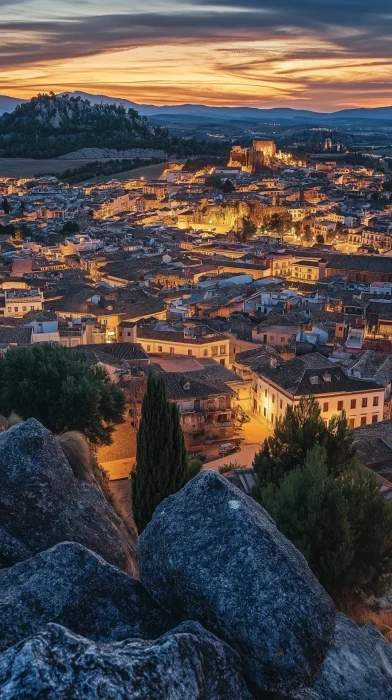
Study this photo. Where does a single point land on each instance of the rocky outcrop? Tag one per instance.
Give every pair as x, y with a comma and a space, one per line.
188, 663
42, 503
227, 608
73, 587
213, 555
358, 665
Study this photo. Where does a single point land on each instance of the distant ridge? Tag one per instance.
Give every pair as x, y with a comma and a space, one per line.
8, 104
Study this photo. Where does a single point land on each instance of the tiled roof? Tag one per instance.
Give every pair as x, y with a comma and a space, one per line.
313, 374
115, 351
183, 386
15, 335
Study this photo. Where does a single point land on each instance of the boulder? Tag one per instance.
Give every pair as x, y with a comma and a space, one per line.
213, 555
57, 664
43, 503
358, 665
72, 586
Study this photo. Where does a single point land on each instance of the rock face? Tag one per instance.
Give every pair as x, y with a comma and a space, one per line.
71, 586
187, 663
358, 665
42, 503
213, 555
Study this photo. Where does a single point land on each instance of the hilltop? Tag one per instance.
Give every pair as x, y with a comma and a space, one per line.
49, 126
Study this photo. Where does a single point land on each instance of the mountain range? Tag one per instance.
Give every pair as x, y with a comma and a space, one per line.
8, 104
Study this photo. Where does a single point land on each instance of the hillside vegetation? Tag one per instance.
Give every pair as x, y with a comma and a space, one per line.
51, 125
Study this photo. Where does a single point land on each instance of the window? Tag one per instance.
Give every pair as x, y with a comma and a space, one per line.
172, 351
271, 337
363, 420
272, 417
375, 400
325, 407
159, 348
353, 403
282, 340
190, 353
265, 393
148, 348
205, 353
374, 418
214, 352
351, 423
273, 398
340, 405
364, 403
16, 308
222, 361
265, 412
280, 404
222, 350
24, 308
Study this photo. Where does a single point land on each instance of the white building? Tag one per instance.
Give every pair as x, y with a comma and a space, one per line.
279, 384
18, 302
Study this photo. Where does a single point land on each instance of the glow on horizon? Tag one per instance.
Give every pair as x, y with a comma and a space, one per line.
260, 53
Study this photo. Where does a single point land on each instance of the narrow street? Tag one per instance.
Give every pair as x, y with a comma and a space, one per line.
253, 434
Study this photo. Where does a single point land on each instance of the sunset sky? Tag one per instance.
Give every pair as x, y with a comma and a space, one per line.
312, 54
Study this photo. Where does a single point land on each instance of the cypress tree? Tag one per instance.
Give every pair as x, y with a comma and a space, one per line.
161, 467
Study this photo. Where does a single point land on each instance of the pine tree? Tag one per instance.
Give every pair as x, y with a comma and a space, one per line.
297, 432
161, 466
341, 523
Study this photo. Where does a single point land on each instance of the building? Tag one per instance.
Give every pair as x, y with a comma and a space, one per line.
308, 270
200, 341
19, 302
252, 159
281, 384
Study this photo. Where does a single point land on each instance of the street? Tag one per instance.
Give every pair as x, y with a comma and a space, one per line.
253, 434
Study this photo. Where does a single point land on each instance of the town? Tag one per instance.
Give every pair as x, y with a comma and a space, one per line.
247, 286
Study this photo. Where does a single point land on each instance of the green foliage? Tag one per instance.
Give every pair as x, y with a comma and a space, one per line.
214, 181
320, 238
307, 234
297, 432
228, 187
341, 524
96, 168
51, 125
161, 465
48, 382
193, 466
6, 206
231, 466
70, 227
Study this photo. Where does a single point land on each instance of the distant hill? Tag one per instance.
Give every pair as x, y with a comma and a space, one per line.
251, 113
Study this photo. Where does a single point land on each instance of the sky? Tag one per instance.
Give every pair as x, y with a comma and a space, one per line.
308, 54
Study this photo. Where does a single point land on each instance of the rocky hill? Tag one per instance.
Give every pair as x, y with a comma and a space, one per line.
48, 126
226, 608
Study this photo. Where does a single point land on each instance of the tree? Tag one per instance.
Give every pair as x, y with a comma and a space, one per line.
48, 382
307, 235
297, 432
193, 466
320, 238
214, 182
228, 187
161, 465
6, 206
341, 524
70, 227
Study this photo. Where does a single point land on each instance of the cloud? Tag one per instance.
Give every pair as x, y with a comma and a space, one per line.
287, 46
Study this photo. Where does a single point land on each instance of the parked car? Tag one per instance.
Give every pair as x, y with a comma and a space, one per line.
227, 448
197, 455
